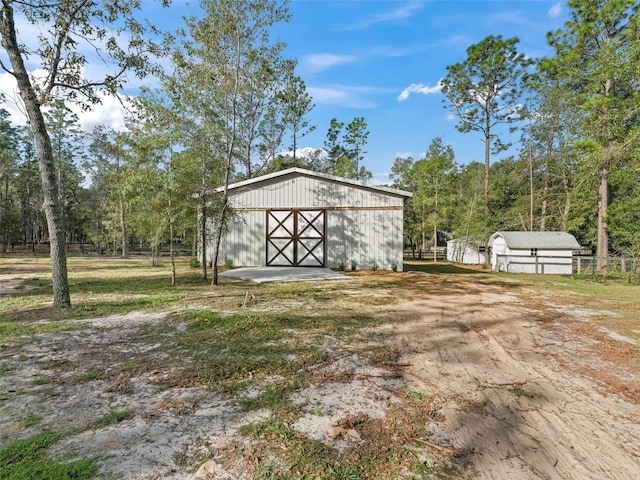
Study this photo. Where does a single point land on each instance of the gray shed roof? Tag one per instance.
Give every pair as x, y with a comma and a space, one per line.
550, 240
301, 171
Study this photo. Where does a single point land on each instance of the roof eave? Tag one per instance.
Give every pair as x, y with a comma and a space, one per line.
310, 173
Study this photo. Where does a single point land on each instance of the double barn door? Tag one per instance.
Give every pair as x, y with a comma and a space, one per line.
296, 238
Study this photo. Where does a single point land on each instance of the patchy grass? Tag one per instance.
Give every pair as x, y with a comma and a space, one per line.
27, 460
392, 448
12, 330
110, 418
523, 392
259, 355
220, 351
98, 287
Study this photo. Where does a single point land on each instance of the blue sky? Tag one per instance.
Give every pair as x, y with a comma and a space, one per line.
382, 60
377, 59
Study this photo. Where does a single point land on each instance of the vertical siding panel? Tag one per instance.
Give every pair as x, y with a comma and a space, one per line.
352, 233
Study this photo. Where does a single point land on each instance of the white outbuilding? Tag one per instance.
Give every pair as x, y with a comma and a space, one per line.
533, 252
465, 250
298, 217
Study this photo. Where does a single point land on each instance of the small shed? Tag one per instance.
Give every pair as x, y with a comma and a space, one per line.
298, 217
533, 252
465, 250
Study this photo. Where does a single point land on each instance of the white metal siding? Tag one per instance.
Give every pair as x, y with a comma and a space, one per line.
309, 192
361, 224
364, 236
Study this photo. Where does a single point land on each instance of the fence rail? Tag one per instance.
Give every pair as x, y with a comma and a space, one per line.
90, 248
425, 254
588, 265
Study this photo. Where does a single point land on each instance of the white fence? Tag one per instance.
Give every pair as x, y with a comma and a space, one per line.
534, 264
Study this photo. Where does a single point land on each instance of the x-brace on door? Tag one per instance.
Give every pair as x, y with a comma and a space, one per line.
296, 237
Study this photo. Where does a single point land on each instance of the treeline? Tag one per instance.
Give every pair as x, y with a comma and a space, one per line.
228, 99
578, 114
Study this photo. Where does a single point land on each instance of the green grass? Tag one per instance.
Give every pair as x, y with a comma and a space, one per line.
98, 287
12, 330
27, 460
522, 392
387, 453
221, 350
439, 268
267, 349
116, 416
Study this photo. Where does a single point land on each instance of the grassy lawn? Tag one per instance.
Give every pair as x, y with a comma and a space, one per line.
207, 339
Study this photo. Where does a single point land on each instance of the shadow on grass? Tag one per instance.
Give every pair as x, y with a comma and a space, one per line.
437, 268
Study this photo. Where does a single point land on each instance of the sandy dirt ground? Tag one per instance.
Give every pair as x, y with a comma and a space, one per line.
530, 414
503, 375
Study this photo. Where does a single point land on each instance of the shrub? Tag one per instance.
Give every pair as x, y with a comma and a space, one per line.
354, 265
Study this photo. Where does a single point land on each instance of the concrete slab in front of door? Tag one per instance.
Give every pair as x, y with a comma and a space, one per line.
283, 274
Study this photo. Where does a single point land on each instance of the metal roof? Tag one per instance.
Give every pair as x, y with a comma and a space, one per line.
551, 240
301, 171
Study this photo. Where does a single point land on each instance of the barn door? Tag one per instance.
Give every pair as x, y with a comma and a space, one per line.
295, 238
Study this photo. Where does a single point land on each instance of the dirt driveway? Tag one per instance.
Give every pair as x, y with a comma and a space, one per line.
505, 377
514, 390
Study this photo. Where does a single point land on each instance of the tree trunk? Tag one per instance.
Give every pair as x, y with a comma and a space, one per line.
295, 145
602, 249
435, 229
123, 227
545, 201
203, 235
171, 234
567, 199
219, 230
44, 153
487, 160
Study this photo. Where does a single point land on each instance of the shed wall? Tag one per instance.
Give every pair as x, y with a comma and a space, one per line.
464, 252
559, 262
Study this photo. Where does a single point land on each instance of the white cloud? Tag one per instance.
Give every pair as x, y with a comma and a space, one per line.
401, 13
319, 62
110, 112
419, 88
556, 10
343, 95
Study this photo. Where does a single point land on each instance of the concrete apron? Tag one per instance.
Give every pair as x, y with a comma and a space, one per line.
283, 274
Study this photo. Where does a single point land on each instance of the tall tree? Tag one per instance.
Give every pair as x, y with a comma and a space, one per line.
436, 175
33, 225
9, 231
548, 136
355, 138
432, 180
229, 77
297, 103
597, 54
68, 147
346, 149
72, 24
485, 91
333, 144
